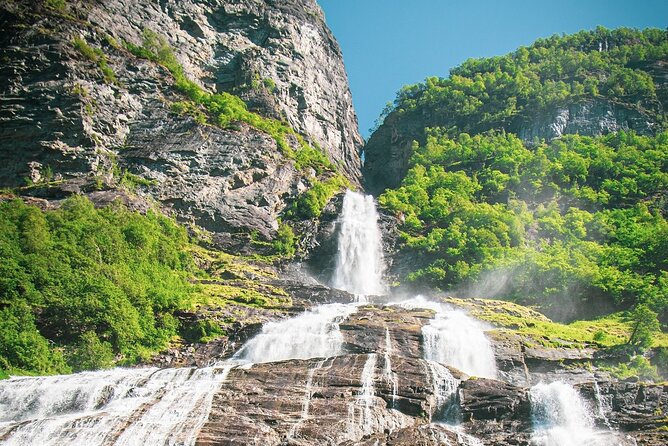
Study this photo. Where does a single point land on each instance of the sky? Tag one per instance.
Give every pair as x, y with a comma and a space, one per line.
387, 44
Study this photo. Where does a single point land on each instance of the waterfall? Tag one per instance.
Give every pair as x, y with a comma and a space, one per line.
600, 405
312, 334
365, 399
306, 404
561, 418
118, 406
456, 339
368, 386
453, 338
359, 264
444, 387
388, 375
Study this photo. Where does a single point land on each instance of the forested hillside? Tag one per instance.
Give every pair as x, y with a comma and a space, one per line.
573, 224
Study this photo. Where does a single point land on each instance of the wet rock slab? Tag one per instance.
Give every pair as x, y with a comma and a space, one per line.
316, 401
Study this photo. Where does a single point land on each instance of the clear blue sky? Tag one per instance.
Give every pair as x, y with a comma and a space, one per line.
390, 43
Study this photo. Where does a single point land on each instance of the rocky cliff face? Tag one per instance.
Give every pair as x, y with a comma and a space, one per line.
75, 120
328, 401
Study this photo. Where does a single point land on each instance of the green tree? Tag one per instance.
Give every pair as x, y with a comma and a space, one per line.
644, 326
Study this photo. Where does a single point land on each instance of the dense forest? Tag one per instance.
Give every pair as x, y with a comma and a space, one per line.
484, 94
85, 288
575, 226
578, 220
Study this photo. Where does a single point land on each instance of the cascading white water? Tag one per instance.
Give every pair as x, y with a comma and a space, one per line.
360, 411
456, 339
561, 418
368, 393
389, 376
359, 264
600, 405
118, 406
306, 404
312, 334
444, 384
453, 338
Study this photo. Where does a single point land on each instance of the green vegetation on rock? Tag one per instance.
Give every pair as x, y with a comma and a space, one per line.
81, 287
223, 109
285, 242
311, 202
484, 94
97, 56
576, 224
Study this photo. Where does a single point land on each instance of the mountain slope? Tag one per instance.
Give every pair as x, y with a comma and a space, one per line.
570, 216
590, 83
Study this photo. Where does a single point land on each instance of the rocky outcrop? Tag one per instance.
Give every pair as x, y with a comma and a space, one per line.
629, 406
382, 393
311, 402
68, 126
594, 117
391, 330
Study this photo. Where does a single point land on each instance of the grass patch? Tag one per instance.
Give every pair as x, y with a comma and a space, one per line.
97, 56
132, 182
638, 366
57, 5
609, 331
218, 264
245, 293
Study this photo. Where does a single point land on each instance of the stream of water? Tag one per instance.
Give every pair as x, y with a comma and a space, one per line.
562, 418
120, 406
359, 258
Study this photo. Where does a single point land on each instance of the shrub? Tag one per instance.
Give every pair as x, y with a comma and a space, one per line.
90, 353
99, 283
285, 243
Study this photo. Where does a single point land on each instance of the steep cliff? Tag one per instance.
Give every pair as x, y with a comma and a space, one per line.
80, 112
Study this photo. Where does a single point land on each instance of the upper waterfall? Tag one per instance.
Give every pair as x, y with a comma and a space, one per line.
359, 260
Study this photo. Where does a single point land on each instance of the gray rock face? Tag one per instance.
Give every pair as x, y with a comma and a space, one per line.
65, 124
382, 393
594, 117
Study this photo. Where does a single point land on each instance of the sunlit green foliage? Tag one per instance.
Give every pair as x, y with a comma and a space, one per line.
285, 243
579, 220
310, 203
645, 325
95, 284
488, 93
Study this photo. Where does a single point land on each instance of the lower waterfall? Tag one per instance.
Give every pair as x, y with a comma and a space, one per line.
312, 334
119, 406
453, 338
562, 418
